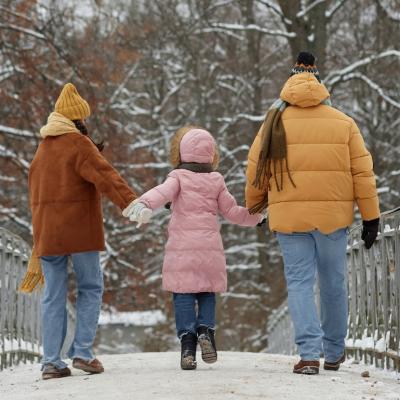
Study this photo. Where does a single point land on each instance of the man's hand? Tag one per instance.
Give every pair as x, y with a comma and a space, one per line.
370, 232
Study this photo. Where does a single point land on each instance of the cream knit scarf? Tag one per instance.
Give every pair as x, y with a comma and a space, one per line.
57, 125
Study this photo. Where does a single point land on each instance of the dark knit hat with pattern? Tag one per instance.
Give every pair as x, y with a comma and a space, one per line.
305, 63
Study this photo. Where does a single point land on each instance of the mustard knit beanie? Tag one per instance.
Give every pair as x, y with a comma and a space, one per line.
71, 105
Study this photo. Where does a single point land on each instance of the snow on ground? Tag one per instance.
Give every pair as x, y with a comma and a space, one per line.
137, 318
156, 376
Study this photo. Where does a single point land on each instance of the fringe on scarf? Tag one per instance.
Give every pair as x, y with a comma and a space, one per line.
34, 278
273, 155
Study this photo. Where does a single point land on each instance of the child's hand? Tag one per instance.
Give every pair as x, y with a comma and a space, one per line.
140, 213
263, 218
128, 210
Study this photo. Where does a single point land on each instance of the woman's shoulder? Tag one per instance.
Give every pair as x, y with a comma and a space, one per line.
79, 140
81, 144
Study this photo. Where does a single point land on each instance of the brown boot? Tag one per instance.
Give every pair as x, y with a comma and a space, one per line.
52, 372
93, 367
334, 366
306, 367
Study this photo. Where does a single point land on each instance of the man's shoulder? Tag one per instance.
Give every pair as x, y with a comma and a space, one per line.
321, 111
336, 113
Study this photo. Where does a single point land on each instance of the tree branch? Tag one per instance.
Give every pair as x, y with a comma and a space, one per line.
14, 157
307, 9
393, 15
15, 14
19, 133
336, 76
276, 9
10, 213
372, 85
253, 27
25, 31
330, 13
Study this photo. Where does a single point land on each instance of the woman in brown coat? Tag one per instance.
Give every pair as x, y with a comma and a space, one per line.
67, 177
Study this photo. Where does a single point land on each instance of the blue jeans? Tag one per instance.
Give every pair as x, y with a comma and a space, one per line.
305, 255
186, 318
88, 303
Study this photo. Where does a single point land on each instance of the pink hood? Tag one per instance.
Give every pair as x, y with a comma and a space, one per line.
197, 146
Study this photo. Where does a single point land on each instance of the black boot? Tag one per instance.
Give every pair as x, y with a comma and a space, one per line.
188, 351
207, 343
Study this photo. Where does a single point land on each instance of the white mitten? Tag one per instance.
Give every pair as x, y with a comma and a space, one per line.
128, 210
140, 213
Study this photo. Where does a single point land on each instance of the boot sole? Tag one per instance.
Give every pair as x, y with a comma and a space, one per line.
331, 367
46, 377
188, 363
308, 370
208, 354
334, 366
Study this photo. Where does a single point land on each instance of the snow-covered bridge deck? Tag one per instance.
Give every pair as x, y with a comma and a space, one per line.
156, 376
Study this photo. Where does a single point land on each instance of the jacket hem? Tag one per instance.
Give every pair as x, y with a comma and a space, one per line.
69, 251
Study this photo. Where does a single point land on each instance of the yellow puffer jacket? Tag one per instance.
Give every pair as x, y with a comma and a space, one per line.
328, 161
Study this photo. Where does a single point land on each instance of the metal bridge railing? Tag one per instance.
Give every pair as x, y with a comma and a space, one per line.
374, 295
20, 317
281, 332
374, 300
20, 328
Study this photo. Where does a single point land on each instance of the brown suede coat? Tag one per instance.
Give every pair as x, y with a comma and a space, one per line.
66, 179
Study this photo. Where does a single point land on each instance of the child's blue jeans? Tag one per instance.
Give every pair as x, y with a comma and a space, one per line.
305, 256
186, 318
89, 279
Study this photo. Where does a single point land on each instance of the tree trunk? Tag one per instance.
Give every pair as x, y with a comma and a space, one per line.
273, 274
310, 30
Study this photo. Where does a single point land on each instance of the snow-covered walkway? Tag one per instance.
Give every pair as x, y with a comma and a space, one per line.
156, 376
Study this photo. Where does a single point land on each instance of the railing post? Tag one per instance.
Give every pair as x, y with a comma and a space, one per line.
18, 312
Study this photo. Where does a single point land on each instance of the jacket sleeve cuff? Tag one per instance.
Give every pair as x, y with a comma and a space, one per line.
372, 222
146, 203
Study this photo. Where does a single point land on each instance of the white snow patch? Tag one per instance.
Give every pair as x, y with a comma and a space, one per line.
367, 343
15, 345
137, 318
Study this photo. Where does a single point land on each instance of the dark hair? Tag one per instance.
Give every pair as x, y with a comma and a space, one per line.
82, 129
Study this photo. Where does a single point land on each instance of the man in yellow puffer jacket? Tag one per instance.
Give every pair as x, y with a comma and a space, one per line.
309, 166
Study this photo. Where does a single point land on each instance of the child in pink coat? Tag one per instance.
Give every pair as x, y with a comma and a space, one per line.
194, 264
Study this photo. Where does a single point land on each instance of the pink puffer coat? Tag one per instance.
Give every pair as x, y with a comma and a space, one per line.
194, 259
